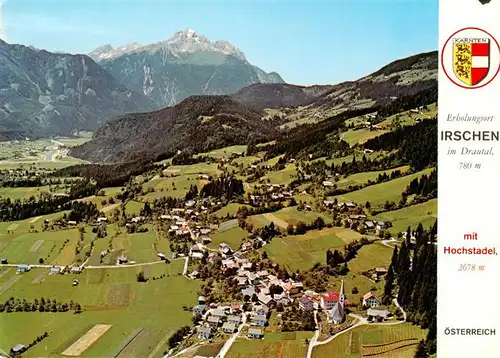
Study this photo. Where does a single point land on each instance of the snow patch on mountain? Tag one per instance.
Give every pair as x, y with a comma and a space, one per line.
187, 41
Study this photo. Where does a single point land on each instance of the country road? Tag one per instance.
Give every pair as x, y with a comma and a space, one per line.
91, 267
314, 339
222, 353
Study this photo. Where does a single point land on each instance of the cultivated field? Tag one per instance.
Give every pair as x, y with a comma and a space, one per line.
225, 152
175, 187
27, 192
355, 342
201, 168
109, 297
274, 345
232, 237
371, 256
303, 251
230, 209
29, 247
284, 176
286, 216
84, 342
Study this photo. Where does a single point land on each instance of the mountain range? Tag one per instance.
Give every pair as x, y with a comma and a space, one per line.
254, 114
45, 94
186, 64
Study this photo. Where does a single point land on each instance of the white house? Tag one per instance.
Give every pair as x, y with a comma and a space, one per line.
371, 300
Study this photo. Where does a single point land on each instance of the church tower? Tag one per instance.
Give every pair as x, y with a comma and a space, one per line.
337, 314
341, 294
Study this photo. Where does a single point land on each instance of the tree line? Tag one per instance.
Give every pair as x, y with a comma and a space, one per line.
412, 278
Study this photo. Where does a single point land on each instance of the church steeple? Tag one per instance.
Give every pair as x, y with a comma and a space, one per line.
337, 314
341, 293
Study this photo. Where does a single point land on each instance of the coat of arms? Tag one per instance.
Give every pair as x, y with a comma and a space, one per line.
471, 59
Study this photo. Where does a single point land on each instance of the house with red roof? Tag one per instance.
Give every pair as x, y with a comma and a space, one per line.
329, 300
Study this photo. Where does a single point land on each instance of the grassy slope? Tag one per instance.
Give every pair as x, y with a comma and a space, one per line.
380, 193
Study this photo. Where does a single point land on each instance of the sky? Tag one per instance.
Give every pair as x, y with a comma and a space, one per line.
306, 42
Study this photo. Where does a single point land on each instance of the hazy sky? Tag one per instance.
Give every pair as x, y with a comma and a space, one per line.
305, 42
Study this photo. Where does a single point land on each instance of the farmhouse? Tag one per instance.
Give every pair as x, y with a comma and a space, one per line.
229, 327
255, 333
17, 349
225, 249
377, 314
248, 291
76, 269
122, 260
281, 299
261, 310
204, 332
55, 270
306, 303
205, 240
262, 273
102, 219
218, 313
23, 268
369, 224
259, 320
242, 280
234, 319
327, 183
266, 300
213, 321
370, 300
198, 309
292, 287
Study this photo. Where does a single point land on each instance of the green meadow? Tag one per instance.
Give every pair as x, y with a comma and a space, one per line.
108, 296
303, 251
378, 194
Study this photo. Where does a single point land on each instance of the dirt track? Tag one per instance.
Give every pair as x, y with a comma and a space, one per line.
85, 341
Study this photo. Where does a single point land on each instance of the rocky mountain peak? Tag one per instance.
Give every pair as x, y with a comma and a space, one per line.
185, 41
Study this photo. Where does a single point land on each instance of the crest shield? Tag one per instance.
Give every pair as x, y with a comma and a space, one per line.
471, 59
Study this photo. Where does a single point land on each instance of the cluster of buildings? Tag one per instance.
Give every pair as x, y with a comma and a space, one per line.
228, 319
274, 192
54, 270
334, 304
179, 218
352, 215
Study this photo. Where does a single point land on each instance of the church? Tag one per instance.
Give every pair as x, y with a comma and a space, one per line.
337, 313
